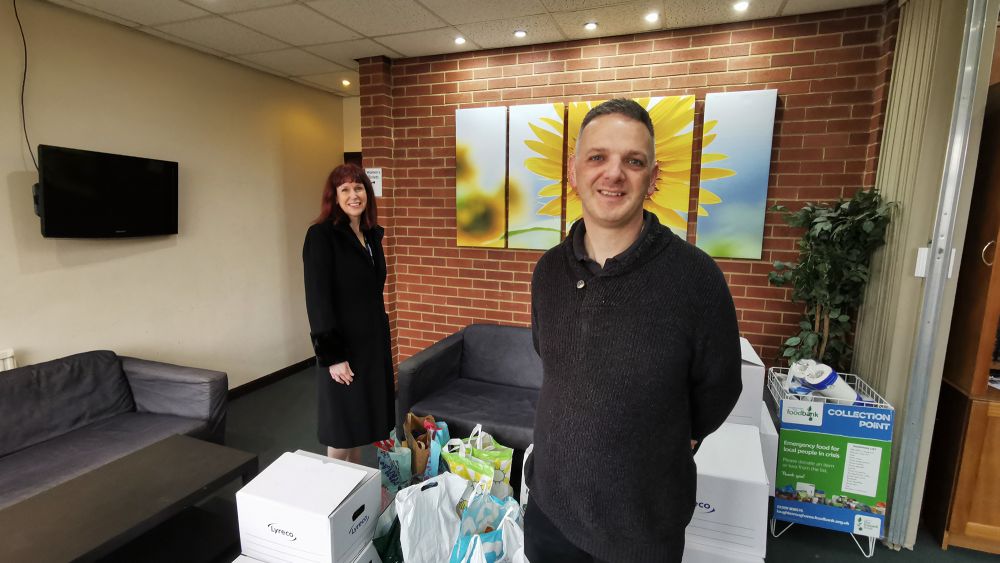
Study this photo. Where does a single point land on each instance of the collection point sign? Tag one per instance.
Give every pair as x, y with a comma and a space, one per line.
833, 466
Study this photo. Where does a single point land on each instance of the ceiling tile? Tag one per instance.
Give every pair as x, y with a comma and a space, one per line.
494, 34
178, 41
469, 11
378, 17
794, 7
97, 13
293, 62
230, 6
345, 52
709, 12
430, 42
224, 35
614, 20
294, 24
574, 5
332, 82
146, 12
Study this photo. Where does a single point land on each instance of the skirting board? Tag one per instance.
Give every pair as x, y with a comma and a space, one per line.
264, 381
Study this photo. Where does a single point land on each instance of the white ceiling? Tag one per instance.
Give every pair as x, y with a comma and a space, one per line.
315, 42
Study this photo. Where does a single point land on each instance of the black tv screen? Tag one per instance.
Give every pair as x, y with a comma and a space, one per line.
87, 194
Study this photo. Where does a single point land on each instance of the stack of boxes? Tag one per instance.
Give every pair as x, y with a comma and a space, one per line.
307, 507
735, 475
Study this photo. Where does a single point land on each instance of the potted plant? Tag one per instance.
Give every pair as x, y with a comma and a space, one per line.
830, 276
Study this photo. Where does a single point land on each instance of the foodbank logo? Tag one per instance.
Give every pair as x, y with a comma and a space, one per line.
807, 412
802, 412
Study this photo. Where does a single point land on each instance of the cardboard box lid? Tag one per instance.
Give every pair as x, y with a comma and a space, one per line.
732, 452
749, 354
305, 483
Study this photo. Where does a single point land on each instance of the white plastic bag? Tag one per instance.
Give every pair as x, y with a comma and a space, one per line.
519, 557
524, 479
484, 547
429, 515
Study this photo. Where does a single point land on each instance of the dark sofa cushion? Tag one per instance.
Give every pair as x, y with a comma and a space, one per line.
501, 354
42, 401
508, 413
36, 469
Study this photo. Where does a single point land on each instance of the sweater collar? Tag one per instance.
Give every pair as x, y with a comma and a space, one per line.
652, 239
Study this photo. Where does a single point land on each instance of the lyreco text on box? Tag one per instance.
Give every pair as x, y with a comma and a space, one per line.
307, 507
731, 510
747, 409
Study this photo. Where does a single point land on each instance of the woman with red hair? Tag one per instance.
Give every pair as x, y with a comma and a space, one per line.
344, 270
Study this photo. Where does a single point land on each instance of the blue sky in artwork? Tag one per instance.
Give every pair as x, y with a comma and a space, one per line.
744, 132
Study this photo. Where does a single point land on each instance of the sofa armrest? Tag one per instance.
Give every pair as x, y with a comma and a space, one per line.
426, 371
189, 392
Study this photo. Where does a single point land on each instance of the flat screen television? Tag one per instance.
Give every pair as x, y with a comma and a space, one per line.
87, 194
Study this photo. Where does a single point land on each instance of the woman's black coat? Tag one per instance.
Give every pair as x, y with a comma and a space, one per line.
347, 320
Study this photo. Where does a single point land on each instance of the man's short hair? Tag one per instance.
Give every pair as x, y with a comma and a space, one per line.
629, 108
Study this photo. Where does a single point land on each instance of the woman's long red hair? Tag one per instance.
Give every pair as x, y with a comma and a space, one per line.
343, 174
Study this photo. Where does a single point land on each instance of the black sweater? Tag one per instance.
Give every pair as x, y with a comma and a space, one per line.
639, 359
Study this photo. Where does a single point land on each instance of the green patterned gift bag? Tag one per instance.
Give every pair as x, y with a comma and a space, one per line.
501, 457
458, 455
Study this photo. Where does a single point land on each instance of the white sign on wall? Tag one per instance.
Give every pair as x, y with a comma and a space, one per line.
375, 175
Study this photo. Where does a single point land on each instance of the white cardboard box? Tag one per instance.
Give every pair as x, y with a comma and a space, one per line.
746, 410
368, 555
768, 446
307, 507
731, 514
697, 553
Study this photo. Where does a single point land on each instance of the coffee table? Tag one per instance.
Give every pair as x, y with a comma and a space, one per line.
90, 516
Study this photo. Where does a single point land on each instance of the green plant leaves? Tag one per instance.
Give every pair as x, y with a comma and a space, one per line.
832, 271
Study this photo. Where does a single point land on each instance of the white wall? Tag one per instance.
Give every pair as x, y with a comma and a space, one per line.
254, 150
352, 124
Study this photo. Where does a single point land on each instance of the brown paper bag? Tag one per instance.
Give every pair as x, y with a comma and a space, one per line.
418, 440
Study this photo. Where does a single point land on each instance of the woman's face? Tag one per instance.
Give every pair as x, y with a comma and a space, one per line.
351, 197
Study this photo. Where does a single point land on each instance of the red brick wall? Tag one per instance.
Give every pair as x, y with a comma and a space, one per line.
831, 71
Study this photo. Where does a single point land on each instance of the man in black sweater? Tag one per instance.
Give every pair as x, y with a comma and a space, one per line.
640, 345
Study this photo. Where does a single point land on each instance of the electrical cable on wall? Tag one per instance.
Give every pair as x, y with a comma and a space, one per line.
24, 80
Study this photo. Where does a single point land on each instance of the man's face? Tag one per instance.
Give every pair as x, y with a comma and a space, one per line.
613, 170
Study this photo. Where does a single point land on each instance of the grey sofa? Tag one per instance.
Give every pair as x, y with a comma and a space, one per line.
482, 374
62, 418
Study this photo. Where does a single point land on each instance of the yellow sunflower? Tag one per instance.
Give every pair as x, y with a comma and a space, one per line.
673, 120
479, 213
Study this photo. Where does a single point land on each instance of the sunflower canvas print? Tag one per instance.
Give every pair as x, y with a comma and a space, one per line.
741, 126
480, 177
575, 113
535, 182
673, 127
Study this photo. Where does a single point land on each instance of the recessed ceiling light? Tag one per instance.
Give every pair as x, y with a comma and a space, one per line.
459, 40
590, 26
345, 82
520, 34
652, 17
741, 6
